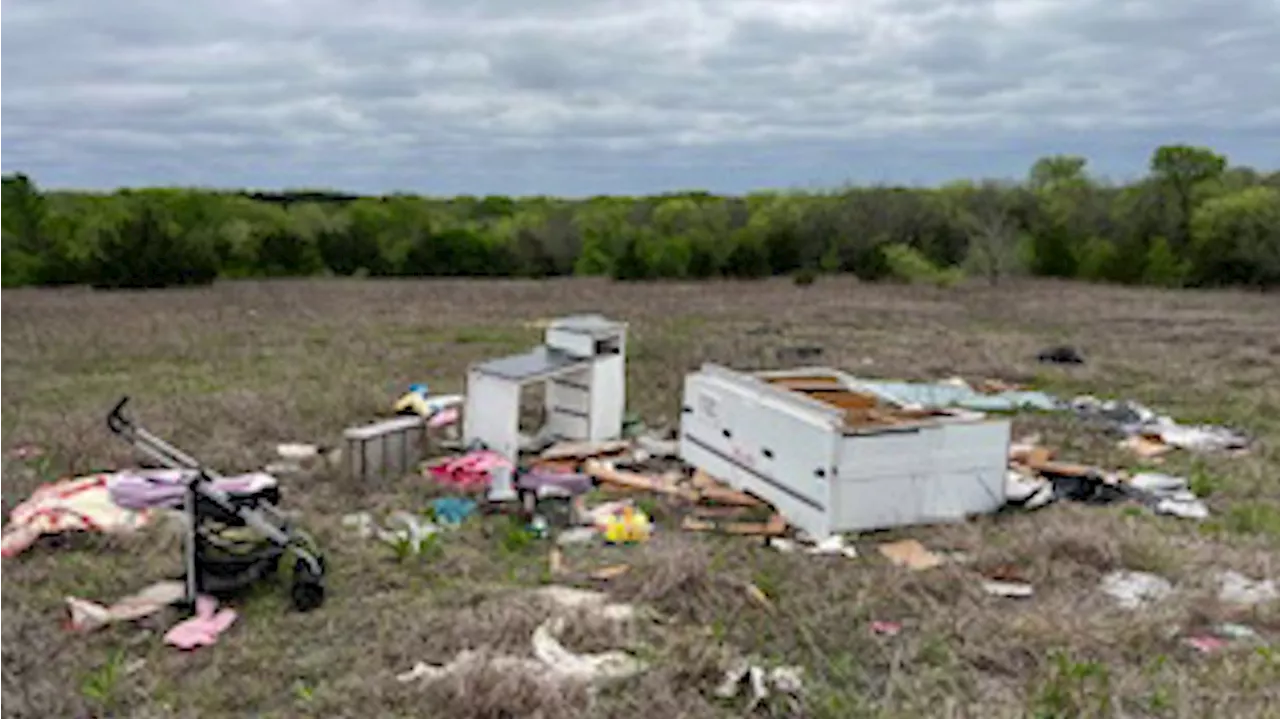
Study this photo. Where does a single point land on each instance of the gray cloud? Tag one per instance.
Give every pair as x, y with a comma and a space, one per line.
592, 96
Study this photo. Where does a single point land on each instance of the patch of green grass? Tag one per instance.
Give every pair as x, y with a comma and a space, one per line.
1203, 482
1074, 688
491, 336
1252, 518
101, 687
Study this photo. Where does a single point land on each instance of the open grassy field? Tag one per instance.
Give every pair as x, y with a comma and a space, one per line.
229, 371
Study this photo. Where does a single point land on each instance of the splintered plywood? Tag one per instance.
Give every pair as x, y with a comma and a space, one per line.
807, 383
864, 410
861, 410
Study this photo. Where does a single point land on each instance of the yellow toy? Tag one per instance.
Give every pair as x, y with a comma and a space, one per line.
629, 525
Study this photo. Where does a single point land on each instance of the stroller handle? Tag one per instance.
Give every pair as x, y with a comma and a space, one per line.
116, 420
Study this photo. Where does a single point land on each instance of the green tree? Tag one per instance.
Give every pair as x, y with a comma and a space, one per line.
1236, 239
1182, 169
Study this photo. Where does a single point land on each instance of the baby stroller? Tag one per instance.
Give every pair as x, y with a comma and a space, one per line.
235, 534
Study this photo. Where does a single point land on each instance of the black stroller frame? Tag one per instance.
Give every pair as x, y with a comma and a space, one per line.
205, 503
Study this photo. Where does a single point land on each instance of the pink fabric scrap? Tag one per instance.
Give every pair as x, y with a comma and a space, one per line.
888, 629
202, 629
470, 471
1205, 644
443, 418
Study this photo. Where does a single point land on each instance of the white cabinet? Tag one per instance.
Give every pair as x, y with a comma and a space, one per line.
835, 459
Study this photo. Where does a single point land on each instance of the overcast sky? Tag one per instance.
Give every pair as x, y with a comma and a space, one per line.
595, 96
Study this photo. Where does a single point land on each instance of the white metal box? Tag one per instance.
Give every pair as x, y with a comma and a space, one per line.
833, 457
384, 450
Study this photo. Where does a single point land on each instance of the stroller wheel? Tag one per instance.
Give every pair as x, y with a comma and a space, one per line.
308, 588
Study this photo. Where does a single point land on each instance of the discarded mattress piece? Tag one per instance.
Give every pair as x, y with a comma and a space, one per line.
583, 367
834, 454
74, 505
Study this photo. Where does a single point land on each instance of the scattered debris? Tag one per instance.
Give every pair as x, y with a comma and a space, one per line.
785, 680
1132, 590
611, 572
1220, 637
1132, 419
775, 527
1018, 590
204, 628
551, 661
1167, 494
628, 526
1060, 354
1236, 588
911, 554
402, 528
835, 544
661, 448
586, 450
1205, 644
86, 616
437, 410
1145, 447
989, 396
634, 481
886, 629
577, 535
1230, 630
452, 510
297, 451
470, 472
26, 451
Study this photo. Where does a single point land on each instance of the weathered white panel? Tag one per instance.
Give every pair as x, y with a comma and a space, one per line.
492, 413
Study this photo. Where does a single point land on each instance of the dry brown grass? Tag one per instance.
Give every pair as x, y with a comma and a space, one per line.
229, 371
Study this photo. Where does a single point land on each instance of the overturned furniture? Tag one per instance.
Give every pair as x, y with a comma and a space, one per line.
583, 366
834, 456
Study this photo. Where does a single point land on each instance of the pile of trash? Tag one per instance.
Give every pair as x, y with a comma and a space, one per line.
1035, 479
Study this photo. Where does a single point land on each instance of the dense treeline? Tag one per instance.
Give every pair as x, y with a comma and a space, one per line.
1193, 220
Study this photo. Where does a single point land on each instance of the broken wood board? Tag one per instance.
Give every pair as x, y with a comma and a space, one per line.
636, 481
1061, 469
911, 554
610, 572
1145, 447
776, 526
585, 450
713, 490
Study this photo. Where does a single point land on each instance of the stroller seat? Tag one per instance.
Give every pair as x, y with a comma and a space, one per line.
166, 489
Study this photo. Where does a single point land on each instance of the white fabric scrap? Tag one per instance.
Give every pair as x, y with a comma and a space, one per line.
552, 662
1236, 588
1131, 589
